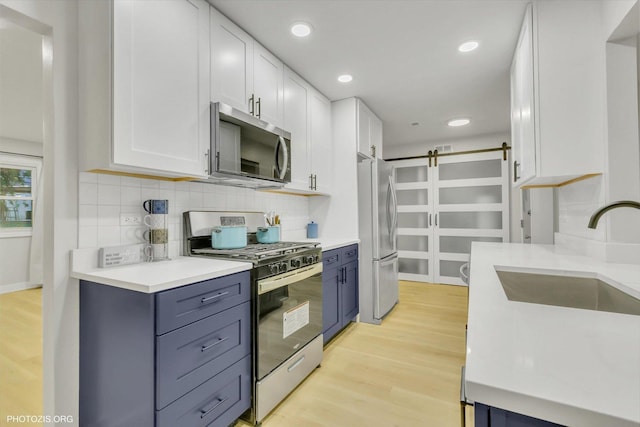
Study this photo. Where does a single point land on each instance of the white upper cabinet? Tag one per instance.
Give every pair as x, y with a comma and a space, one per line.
296, 121
320, 161
558, 94
307, 115
369, 138
243, 73
144, 104
231, 63
522, 105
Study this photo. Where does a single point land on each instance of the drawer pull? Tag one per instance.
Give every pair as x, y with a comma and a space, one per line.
219, 401
351, 253
295, 365
213, 344
213, 297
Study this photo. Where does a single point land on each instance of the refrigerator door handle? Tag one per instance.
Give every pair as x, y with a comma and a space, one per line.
395, 211
389, 260
389, 211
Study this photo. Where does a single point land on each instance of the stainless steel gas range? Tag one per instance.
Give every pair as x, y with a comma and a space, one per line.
286, 286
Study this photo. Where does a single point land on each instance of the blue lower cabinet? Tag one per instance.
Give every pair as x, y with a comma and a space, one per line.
339, 289
140, 367
489, 416
221, 399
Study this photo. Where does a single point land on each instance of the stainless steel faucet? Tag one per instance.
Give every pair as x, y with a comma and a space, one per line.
593, 222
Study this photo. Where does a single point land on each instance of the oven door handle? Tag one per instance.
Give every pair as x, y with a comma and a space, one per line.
285, 279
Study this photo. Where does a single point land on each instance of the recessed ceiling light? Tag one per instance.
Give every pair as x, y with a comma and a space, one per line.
345, 78
468, 46
301, 29
458, 122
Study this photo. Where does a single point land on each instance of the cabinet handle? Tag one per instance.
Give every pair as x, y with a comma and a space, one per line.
295, 365
258, 105
213, 344
373, 151
219, 401
315, 182
251, 105
207, 166
213, 297
515, 170
310, 181
429, 220
436, 220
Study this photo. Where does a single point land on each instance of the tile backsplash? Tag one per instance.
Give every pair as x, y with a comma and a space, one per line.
104, 198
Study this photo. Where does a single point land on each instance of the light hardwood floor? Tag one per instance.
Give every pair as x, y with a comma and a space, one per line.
20, 354
405, 372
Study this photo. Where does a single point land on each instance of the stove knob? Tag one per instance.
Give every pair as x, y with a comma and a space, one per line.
309, 259
283, 267
316, 259
295, 263
273, 268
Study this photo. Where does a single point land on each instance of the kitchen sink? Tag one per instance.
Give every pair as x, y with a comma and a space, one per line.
587, 293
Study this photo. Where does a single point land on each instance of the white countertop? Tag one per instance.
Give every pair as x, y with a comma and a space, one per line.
570, 366
332, 243
152, 277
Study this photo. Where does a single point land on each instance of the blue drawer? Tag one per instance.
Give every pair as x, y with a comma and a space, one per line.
349, 253
331, 258
223, 399
189, 356
187, 304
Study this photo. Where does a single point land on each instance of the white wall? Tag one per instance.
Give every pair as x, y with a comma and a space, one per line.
578, 201
14, 263
102, 198
20, 85
463, 144
20, 131
60, 293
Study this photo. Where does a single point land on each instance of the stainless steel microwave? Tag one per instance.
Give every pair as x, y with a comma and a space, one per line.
247, 151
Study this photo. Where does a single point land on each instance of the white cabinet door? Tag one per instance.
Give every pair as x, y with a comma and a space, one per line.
375, 132
523, 135
161, 85
364, 130
267, 86
369, 136
231, 63
296, 117
321, 142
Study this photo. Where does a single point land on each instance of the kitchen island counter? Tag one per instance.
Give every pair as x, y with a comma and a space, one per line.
570, 366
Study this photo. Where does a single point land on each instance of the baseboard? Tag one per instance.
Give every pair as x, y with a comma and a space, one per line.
21, 286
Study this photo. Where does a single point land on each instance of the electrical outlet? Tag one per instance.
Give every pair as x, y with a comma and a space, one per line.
130, 219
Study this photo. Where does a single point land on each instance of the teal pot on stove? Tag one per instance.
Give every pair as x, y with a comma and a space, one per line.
268, 234
228, 237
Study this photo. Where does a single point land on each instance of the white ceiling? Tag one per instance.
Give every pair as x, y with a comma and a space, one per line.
403, 57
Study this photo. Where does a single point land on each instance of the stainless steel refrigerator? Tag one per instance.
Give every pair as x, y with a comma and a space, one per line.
378, 223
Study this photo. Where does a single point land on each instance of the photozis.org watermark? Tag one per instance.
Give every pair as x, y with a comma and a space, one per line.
24, 419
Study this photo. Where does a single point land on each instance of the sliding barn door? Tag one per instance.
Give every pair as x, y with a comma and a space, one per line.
415, 236
471, 204
445, 207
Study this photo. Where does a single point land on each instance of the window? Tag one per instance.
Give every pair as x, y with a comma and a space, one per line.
17, 196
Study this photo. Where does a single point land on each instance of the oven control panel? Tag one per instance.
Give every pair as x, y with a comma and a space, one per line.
289, 263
